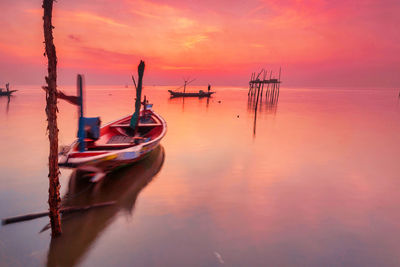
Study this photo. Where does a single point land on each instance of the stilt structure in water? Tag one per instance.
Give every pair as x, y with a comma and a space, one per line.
257, 83
256, 90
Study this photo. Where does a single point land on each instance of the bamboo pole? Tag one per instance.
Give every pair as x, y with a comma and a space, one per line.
136, 115
262, 88
252, 83
267, 94
279, 85
258, 94
65, 210
51, 112
257, 84
251, 78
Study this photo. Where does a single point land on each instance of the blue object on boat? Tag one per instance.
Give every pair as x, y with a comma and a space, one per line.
81, 126
92, 128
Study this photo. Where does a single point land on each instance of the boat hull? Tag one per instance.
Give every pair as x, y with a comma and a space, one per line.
181, 94
7, 93
109, 159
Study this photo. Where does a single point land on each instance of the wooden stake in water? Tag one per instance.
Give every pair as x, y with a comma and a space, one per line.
51, 112
135, 117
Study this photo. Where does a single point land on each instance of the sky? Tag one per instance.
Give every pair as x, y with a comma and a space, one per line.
315, 42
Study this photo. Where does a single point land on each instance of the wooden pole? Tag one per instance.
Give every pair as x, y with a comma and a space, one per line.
135, 117
258, 94
51, 112
252, 84
257, 84
81, 121
262, 88
274, 92
251, 78
268, 93
134, 82
279, 85
65, 210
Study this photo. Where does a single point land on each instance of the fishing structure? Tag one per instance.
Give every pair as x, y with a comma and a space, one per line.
257, 84
259, 81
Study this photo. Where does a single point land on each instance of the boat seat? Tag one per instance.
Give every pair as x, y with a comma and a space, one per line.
140, 125
121, 139
120, 125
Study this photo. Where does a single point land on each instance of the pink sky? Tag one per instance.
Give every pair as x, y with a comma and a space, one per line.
317, 42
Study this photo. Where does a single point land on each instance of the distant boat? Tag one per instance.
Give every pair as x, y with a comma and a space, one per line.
201, 93
7, 91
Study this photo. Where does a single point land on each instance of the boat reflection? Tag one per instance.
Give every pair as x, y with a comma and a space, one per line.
177, 100
8, 104
7, 99
80, 230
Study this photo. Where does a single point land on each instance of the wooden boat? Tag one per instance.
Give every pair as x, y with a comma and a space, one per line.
100, 150
201, 93
116, 146
6, 93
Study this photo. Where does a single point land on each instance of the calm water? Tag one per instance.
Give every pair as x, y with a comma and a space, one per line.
314, 181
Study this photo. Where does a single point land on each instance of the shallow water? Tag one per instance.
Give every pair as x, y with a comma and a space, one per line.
313, 181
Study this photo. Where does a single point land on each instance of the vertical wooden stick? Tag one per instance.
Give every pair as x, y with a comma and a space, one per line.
251, 78
262, 88
136, 115
258, 94
51, 112
279, 85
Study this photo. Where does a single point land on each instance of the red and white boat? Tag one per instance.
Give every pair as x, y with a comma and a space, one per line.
116, 146
129, 139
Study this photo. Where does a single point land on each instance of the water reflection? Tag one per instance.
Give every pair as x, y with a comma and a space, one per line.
200, 100
7, 99
8, 104
80, 230
256, 104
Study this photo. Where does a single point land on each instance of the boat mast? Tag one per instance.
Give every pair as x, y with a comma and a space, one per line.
81, 125
135, 117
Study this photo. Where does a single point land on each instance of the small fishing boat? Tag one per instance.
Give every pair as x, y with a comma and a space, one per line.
129, 139
116, 144
7, 91
201, 93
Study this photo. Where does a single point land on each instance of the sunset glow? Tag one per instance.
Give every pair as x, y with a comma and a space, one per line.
316, 42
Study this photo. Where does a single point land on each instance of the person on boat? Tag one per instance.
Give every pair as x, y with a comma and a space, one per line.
209, 88
8, 87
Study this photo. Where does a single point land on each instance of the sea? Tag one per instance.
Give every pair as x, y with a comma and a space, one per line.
308, 178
